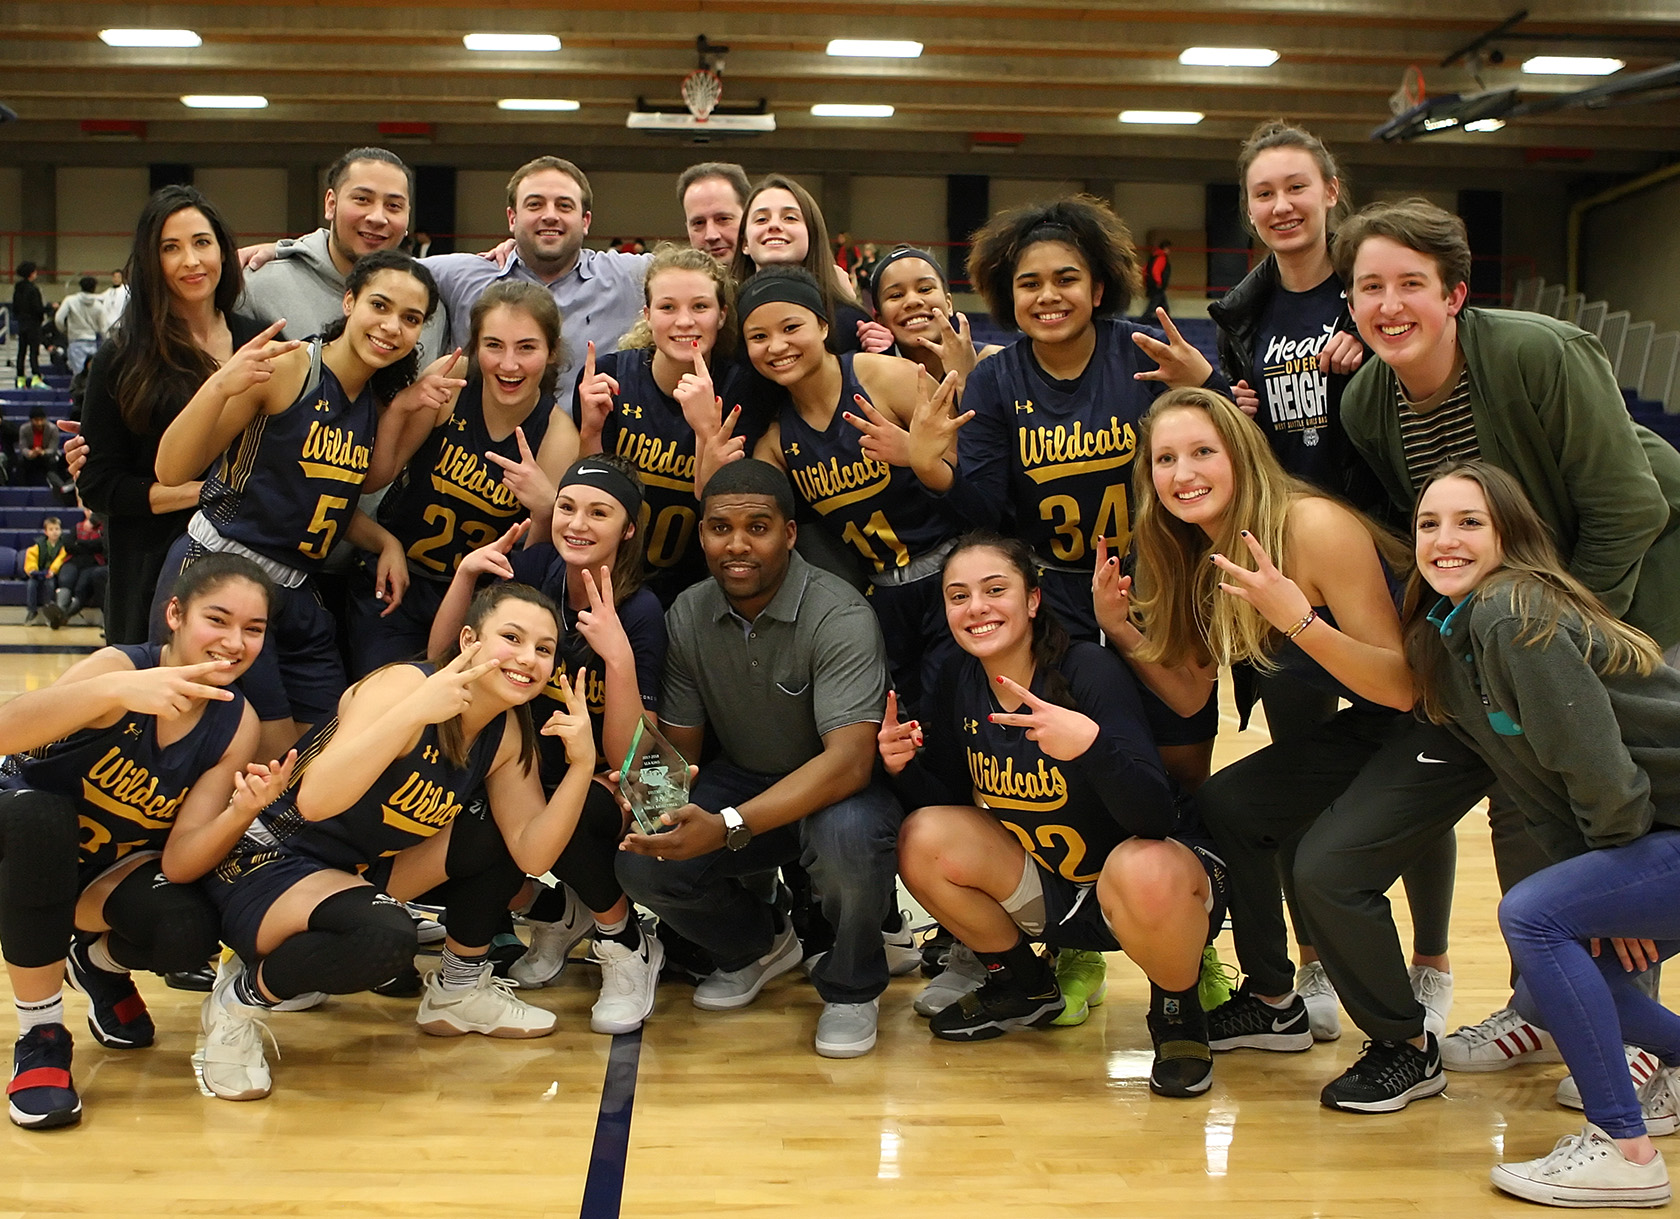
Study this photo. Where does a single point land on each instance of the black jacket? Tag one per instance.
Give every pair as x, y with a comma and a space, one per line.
1238, 314
28, 310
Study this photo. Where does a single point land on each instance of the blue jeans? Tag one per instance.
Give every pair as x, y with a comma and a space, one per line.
1591, 1006
39, 584
849, 848
79, 352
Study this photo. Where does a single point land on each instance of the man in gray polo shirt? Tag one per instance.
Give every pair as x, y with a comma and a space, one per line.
786, 663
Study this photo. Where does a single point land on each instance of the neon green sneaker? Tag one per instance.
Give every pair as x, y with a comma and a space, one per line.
1218, 981
1083, 977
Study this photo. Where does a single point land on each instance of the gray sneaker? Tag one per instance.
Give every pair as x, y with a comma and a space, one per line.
962, 975
847, 1030
551, 945
727, 989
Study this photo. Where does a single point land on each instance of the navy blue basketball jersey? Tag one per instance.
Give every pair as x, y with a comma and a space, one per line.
288, 486
1068, 814
418, 795
1058, 452
644, 624
128, 788
450, 498
883, 511
647, 428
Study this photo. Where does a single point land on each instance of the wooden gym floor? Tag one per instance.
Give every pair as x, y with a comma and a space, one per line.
735, 1114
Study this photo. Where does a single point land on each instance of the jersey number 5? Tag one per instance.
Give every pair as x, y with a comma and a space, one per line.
322, 527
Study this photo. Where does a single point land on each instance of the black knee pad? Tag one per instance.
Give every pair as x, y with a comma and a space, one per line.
356, 939
39, 840
160, 926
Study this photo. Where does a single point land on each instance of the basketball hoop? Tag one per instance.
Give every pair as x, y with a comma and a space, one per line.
701, 89
1410, 93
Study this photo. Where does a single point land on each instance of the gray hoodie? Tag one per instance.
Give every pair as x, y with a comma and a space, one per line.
81, 317
301, 284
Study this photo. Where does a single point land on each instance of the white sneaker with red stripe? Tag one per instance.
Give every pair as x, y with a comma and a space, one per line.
1642, 1065
1502, 1040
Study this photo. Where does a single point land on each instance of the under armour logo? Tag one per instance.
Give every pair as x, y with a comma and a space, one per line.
459, 424
793, 449
321, 404
430, 753
972, 727
634, 412
1024, 407
132, 730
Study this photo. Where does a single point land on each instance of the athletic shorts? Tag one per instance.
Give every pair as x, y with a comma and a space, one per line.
245, 886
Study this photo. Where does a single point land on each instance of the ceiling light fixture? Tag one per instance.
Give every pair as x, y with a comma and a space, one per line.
150, 38
847, 110
1228, 57
1180, 118
886, 48
225, 101
511, 42
1572, 65
537, 103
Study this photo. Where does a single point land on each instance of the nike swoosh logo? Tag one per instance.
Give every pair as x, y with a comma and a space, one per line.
1282, 1026
1436, 761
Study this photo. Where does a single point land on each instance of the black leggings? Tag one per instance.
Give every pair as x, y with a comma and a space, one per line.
587, 862
29, 348
483, 879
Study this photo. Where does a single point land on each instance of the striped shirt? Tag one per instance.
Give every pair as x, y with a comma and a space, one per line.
1447, 433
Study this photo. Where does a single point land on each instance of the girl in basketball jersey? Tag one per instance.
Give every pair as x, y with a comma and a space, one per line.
1042, 812
867, 497
294, 427
129, 778
1054, 434
913, 300
386, 805
634, 403
613, 643
1238, 561
488, 460
1579, 717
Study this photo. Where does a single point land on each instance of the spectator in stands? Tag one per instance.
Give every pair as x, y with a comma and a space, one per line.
81, 316
37, 450
29, 311
40, 568
115, 299
81, 581
1157, 274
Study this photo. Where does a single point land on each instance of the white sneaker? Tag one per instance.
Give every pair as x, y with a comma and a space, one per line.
1642, 1065
489, 1007
1434, 989
904, 955
1502, 1040
847, 1030
1586, 1169
961, 976
1659, 1102
428, 927
1324, 1010
234, 1067
629, 979
551, 945
727, 989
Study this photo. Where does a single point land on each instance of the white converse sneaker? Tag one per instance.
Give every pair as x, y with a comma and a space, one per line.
233, 1064
629, 978
551, 945
961, 976
1434, 989
1642, 1064
1586, 1169
1324, 1009
1502, 1040
489, 1007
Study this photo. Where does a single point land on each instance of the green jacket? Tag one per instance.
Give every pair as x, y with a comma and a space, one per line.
1592, 761
1548, 412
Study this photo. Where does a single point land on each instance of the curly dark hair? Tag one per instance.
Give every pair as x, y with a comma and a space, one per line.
1084, 222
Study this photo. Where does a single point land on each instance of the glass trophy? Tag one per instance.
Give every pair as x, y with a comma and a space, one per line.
654, 779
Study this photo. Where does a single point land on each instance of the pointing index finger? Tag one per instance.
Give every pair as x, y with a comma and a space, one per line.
700, 368
589, 359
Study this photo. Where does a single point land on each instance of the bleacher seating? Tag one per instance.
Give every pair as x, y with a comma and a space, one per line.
22, 508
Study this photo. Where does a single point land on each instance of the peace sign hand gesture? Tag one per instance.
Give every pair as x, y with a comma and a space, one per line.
169, 691
572, 725
1278, 598
253, 364
933, 428
492, 560
600, 625
1181, 365
528, 481
448, 692
1111, 594
897, 741
1061, 733
883, 439
953, 344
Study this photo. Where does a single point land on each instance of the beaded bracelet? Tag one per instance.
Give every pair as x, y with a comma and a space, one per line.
1302, 625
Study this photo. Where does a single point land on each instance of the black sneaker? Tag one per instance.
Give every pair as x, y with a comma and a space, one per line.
1000, 1006
1247, 1022
1183, 1062
41, 1095
1388, 1076
406, 985
201, 980
116, 1012
685, 961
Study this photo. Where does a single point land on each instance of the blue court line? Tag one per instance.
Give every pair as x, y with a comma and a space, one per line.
603, 1189
71, 649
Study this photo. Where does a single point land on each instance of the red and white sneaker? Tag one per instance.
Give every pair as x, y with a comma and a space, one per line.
1502, 1040
1642, 1066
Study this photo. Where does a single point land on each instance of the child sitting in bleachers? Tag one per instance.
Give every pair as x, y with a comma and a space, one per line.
40, 567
